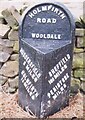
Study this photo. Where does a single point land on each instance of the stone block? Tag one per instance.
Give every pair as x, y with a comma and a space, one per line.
79, 32
14, 57
11, 90
82, 79
79, 73
6, 46
78, 50
15, 13
9, 69
75, 85
3, 80
82, 87
13, 35
16, 47
78, 60
72, 73
5, 87
13, 82
0, 65
2, 20
8, 50
22, 10
4, 30
16, 28
6, 43
81, 42
9, 16
4, 56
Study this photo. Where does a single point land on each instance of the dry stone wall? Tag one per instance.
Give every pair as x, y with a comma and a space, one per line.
78, 70
9, 49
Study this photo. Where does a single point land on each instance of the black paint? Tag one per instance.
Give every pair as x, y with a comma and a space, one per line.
49, 60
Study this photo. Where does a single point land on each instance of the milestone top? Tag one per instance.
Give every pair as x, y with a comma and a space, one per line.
48, 21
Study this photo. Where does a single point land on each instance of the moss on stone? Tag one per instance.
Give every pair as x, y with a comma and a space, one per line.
75, 85
78, 50
78, 61
16, 47
79, 73
80, 32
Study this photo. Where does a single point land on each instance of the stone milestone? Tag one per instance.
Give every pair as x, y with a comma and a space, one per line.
45, 58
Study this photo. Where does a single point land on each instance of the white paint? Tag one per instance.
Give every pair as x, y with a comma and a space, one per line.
54, 97
46, 20
58, 69
29, 86
64, 85
59, 88
46, 8
46, 36
29, 66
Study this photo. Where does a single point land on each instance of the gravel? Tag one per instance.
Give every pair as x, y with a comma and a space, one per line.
9, 107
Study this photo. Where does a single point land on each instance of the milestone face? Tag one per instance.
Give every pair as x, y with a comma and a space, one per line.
46, 21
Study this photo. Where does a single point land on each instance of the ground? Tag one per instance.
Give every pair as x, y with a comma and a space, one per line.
9, 107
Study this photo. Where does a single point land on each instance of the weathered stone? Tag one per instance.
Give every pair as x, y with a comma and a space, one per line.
11, 20
5, 87
11, 90
16, 47
16, 28
81, 42
2, 20
13, 35
0, 65
3, 80
72, 73
15, 13
78, 50
4, 29
22, 10
8, 50
79, 32
1, 89
45, 55
78, 60
75, 85
82, 79
83, 86
10, 69
14, 57
4, 56
13, 83
6, 43
79, 73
